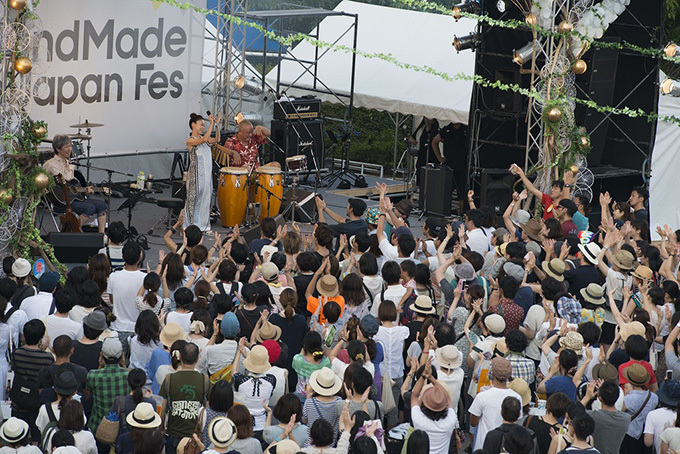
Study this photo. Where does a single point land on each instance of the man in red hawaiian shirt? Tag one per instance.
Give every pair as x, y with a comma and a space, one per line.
559, 189
242, 147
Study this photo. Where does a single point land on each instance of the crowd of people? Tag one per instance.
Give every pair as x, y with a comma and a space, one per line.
547, 335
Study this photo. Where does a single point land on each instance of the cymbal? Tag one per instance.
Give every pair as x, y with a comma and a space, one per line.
87, 125
80, 136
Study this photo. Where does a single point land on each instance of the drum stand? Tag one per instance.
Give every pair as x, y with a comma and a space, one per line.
294, 205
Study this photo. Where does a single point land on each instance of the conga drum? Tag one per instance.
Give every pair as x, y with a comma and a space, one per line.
232, 195
269, 179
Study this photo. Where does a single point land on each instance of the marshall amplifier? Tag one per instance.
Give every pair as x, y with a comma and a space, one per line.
307, 109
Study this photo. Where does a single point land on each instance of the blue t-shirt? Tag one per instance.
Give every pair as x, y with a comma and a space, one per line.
561, 384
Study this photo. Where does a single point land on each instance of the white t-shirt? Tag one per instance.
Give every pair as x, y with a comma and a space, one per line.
85, 442
614, 283
340, 367
78, 313
123, 286
392, 293
487, 405
140, 353
392, 340
454, 381
37, 307
43, 419
478, 241
534, 320
16, 322
29, 449
657, 421
183, 320
374, 284
671, 437
56, 326
439, 432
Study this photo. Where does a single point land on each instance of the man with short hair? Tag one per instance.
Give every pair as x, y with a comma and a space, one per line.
611, 425
522, 367
106, 383
401, 247
511, 410
27, 361
475, 238
122, 289
59, 165
638, 198
62, 347
59, 322
564, 212
559, 189
582, 426
355, 225
485, 411
587, 272
42, 304
268, 236
117, 233
394, 291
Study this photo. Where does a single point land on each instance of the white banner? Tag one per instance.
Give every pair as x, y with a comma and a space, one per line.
133, 65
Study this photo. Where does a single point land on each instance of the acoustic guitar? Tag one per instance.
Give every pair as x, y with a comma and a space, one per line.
72, 190
69, 220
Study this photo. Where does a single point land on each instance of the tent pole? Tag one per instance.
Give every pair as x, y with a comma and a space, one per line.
396, 144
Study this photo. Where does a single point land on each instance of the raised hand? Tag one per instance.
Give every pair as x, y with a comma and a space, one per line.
523, 194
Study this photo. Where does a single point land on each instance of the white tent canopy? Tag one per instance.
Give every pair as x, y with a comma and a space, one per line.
420, 39
663, 200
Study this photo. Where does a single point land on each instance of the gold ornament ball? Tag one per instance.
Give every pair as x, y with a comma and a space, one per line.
41, 180
5, 196
531, 19
585, 141
554, 114
574, 169
17, 4
40, 131
565, 27
579, 66
23, 65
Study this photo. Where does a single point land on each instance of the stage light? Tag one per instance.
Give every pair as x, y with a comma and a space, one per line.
249, 86
469, 7
524, 54
466, 42
500, 5
252, 117
670, 87
670, 50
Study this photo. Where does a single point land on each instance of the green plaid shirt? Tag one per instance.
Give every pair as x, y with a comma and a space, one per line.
105, 385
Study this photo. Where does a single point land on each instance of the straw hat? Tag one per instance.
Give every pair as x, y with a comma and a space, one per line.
520, 386
257, 360
533, 230
327, 285
14, 430
286, 446
268, 331
520, 218
623, 259
222, 432
632, 328
607, 372
554, 268
423, 305
572, 341
448, 356
590, 252
324, 382
172, 332
500, 250
636, 374
435, 398
143, 417
644, 273
594, 294
21, 267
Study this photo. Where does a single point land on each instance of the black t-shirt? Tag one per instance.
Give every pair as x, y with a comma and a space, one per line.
641, 215
542, 431
47, 374
22, 293
455, 146
247, 320
186, 255
86, 355
425, 150
349, 228
301, 283
257, 245
580, 278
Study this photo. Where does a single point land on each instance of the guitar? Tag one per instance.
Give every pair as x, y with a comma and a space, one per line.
72, 190
69, 220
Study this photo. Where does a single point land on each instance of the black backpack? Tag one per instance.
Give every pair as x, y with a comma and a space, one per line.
24, 394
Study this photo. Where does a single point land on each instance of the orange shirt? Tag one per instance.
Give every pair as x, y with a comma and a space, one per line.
313, 303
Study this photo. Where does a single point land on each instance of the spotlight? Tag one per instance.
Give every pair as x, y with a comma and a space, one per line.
670, 87
670, 50
524, 54
500, 5
469, 7
466, 42
247, 85
252, 117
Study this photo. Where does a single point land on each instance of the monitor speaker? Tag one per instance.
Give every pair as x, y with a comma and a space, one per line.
436, 187
75, 247
496, 189
310, 142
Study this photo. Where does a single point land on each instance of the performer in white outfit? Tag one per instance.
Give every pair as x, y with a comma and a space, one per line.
199, 177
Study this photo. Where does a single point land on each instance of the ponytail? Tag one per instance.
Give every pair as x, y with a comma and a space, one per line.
64, 400
151, 299
288, 312
137, 395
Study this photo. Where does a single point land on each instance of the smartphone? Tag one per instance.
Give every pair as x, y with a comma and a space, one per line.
669, 374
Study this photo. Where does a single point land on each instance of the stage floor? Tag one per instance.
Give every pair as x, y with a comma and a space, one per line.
145, 214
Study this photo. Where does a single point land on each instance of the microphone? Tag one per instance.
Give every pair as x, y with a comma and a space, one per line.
207, 112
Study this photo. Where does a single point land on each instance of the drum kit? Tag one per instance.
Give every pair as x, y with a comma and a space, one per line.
262, 188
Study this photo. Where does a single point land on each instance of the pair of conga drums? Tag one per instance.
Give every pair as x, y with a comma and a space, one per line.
232, 193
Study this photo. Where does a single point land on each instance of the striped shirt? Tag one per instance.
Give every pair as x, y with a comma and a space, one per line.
315, 409
27, 362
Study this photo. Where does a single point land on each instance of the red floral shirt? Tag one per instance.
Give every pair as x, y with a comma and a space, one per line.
248, 153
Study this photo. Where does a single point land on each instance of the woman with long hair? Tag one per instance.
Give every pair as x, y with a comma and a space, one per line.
90, 299
356, 299
98, 270
220, 400
75, 279
72, 418
65, 387
293, 329
310, 359
200, 321
199, 176
145, 340
173, 275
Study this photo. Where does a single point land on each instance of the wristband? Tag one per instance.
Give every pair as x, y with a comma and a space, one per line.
172, 229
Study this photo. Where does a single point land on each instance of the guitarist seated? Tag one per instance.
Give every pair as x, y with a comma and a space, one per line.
59, 164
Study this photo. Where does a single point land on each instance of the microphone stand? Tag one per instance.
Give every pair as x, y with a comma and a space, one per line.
109, 183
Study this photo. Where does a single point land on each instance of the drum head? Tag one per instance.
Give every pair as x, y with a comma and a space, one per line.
268, 170
297, 157
234, 170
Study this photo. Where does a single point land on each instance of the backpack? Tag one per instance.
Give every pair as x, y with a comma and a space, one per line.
406, 315
49, 429
24, 393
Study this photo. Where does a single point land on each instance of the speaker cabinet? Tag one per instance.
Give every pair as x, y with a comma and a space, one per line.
436, 187
496, 189
310, 142
75, 247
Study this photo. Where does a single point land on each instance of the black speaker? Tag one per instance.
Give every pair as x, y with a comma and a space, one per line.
436, 186
306, 203
285, 136
496, 189
75, 247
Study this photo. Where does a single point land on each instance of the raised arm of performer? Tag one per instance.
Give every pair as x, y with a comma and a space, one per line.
193, 141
